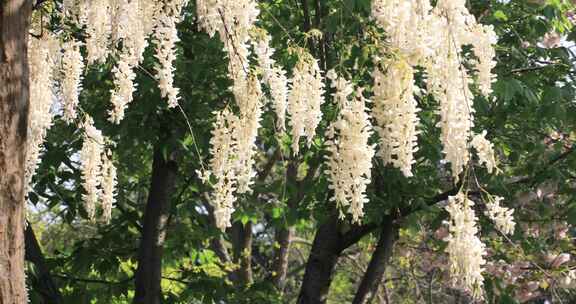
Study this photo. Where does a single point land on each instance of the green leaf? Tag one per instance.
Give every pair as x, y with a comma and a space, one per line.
500, 15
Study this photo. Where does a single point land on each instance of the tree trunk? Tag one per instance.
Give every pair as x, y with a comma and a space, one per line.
284, 234
14, 102
242, 241
328, 244
374, 274
321, 262
149, 272
283, 237
43, 282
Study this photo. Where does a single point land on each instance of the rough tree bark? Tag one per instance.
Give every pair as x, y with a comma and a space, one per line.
242, 243
283, 237
328, 245
43, 282
14, 103
149, 272
374, 274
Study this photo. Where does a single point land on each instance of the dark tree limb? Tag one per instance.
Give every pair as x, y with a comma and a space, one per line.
283, 234
374, 275
328, 245
319, 8
42, 281
242, 243
306, 11
93, 281
321, 263
283, 238
149, 273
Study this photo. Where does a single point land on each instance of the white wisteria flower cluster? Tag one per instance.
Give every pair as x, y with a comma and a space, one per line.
465, 248
274, 76
41, 63
121, 28
99, 30
502, 216
485, 151
233, 147
223, 167
91, 160
134, 22
249, 99
306, 97
349, 163
98, 172
109, 183
433, 38
71, 84
165, 37
395, 110
117, 28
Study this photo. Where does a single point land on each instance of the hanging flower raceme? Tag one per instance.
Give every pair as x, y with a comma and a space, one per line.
420, 35
232, 20
274, 76
343, 89
41, 63
133, 26
124, 87
449, 84
464, 30
306, 97
72, 67
91, 160
395, 111
349, 162
130, 31
484, 150
407, 25
483, 40
249, 100
502, 216
108, 184
466, 250
98, 30
223, 164
166, 36
233, 145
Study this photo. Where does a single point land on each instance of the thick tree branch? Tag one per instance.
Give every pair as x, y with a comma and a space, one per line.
550, 163
95, 281
374, 275
319, 8
329, 243
306, 11
149, 272
283, 237
242, 243
42, 281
